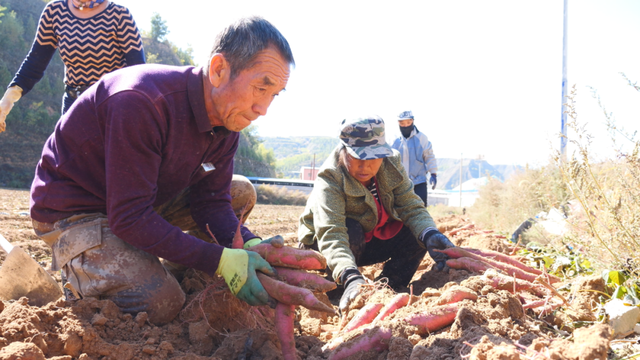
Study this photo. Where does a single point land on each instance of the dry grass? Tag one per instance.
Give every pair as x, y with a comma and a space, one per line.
277, 195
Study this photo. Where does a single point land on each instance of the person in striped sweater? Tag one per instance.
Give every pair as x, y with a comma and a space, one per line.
93, 37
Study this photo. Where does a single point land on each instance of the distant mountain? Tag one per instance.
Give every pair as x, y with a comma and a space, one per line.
449, 171
294, 152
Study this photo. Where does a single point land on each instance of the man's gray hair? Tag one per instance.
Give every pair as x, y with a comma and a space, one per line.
241, 42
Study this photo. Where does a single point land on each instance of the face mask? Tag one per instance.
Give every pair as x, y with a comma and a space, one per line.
406, 131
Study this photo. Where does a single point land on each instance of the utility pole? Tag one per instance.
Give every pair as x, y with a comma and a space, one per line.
460, 179
563, 119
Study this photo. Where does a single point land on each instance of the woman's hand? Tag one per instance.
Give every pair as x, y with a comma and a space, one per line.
435, 240
12, 95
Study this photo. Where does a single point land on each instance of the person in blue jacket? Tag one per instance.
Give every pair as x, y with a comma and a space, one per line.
417, 155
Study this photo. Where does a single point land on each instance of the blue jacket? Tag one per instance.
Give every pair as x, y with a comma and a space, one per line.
417, 155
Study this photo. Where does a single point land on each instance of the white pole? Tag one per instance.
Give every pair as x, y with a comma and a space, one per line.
460, 179
563, 119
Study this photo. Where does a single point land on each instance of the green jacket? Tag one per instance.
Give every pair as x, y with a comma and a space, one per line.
337, 195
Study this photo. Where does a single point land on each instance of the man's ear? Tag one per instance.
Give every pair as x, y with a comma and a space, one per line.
219, 70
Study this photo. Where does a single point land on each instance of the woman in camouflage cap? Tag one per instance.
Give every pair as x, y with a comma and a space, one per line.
363, 211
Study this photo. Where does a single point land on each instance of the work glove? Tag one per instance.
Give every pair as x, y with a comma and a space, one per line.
238, 268
433, 181
351, 279
12, 95
435, 240
276, 241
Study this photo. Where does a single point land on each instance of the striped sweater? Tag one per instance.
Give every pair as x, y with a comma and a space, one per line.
89, 47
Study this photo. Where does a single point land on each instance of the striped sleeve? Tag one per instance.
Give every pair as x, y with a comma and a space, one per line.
42, 50
130, 39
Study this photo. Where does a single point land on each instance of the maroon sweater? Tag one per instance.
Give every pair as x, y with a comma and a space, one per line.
131, 142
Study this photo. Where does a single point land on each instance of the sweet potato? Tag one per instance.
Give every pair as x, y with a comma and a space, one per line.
364, 316
292, 295
398, 301
503, 282
284, 329
291, 257
465, 263
509, 260
434, 318
455, 294
457, 252
376, 338
304, 279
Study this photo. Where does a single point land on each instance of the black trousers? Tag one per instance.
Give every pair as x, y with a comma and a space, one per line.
402, 253
421, 190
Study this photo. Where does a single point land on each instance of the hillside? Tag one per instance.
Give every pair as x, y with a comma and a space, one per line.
33, 118
296, 151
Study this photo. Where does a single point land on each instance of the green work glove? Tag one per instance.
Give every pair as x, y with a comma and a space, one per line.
238, 268
276, 241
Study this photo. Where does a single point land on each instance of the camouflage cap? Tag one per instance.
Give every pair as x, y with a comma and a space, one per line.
364, 138
405, 115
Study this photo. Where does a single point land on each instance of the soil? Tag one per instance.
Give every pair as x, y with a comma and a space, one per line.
215, 325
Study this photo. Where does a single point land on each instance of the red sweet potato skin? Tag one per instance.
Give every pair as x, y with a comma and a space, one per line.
364, 316
284, 329
398, 301
292, 295
291, 257
304, 279
434, 318
376, 338
497, 256
455, 294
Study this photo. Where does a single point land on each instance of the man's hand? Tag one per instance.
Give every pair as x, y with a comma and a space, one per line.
12, 95
351, 279
238, 268
435, 240
276, 241
433, 181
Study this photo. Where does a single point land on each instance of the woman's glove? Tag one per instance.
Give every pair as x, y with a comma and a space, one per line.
238, 268
12, 95
276, 241
351, 279
435, 240
433, 181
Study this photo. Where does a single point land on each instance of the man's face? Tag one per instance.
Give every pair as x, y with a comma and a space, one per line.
238, 102
405, 123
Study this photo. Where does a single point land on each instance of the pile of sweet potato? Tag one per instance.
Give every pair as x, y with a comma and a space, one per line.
367, 330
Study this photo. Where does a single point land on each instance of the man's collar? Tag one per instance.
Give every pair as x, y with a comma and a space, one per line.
195, 89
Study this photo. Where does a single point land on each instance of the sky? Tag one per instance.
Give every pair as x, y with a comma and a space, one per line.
483, 78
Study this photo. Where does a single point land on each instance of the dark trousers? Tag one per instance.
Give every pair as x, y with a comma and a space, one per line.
67, 101
421, 190
402, 253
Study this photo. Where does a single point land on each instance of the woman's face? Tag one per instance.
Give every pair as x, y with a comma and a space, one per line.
362, 170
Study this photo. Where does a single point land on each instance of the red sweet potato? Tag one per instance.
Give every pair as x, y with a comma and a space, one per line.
292, 295
364, 316
433, 318
284, 329
304, 279
376, 338
503, 282
398, 301
291, 257
457, 252
465, 263
455, 294
509, 260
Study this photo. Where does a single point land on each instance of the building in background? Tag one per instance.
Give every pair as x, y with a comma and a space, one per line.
308, 173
